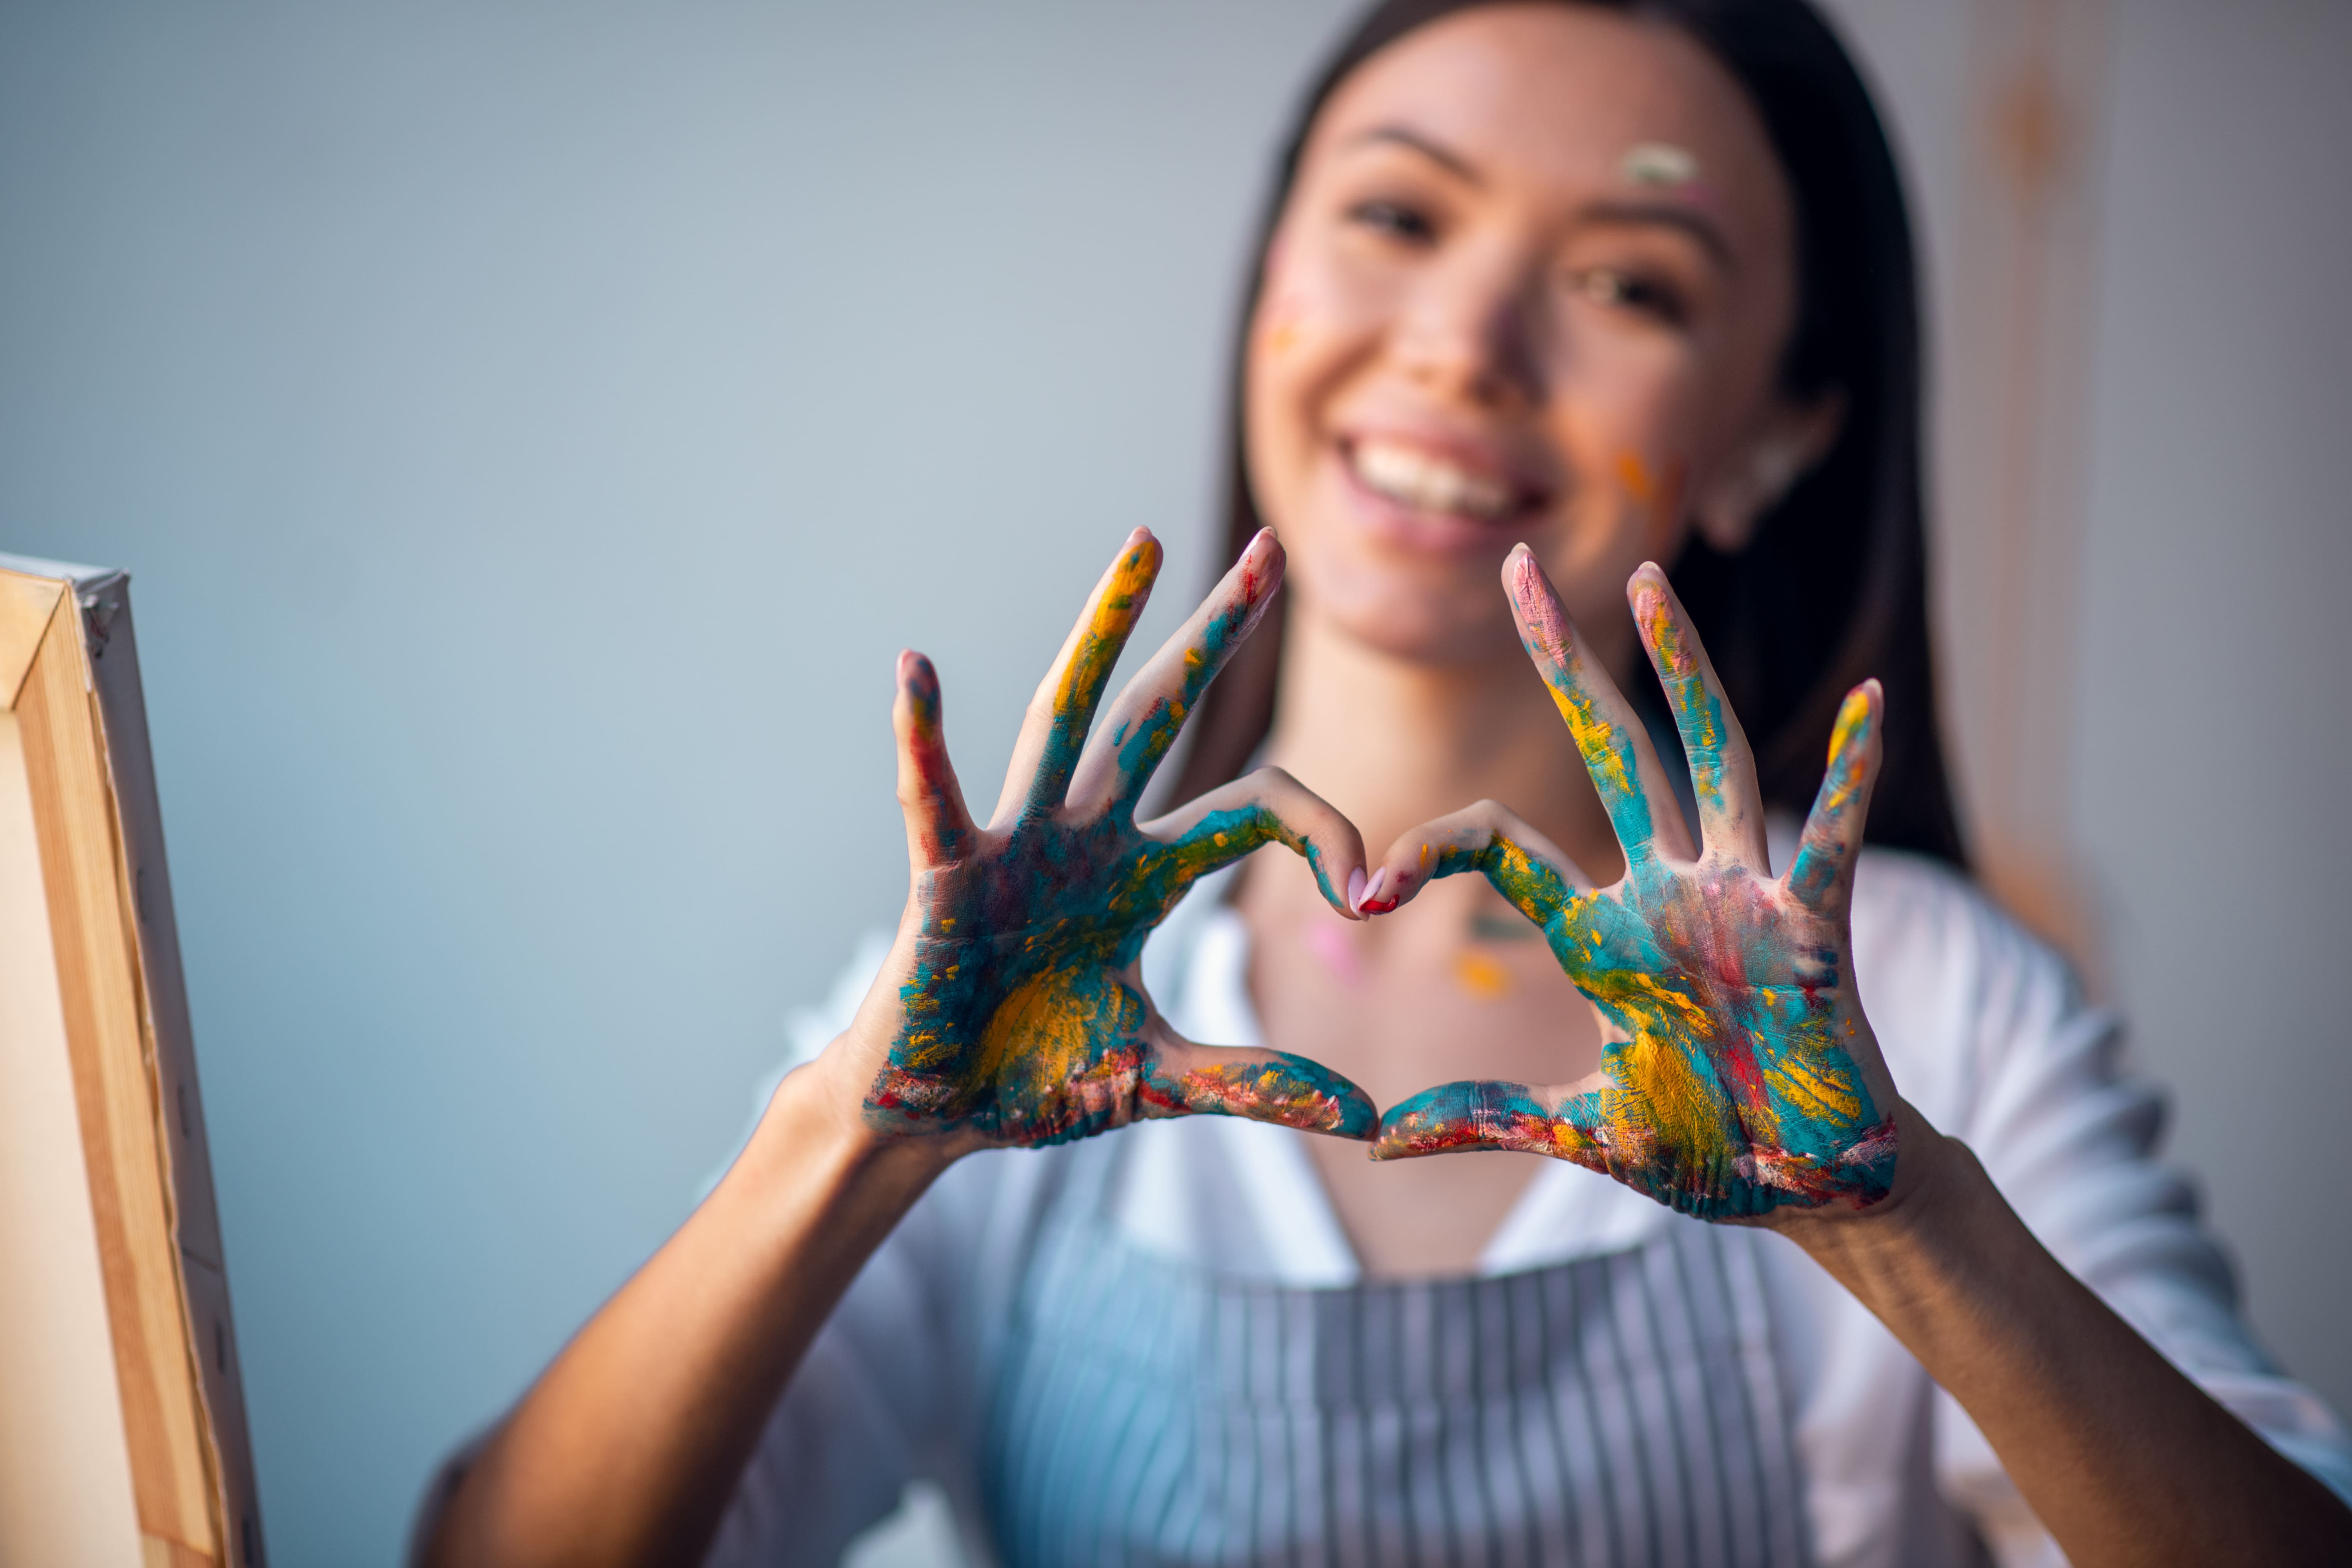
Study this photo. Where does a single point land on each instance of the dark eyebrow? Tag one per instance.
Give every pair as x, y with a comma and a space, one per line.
1669, 215
1435, 151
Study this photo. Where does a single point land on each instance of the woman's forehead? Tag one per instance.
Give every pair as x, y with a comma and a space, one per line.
1571, 97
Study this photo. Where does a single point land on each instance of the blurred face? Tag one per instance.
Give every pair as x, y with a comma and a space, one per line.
1532, 282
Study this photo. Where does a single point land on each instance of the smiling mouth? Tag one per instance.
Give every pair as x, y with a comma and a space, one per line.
1420, 479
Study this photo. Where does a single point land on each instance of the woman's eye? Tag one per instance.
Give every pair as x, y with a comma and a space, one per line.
1396, 219
1624, 290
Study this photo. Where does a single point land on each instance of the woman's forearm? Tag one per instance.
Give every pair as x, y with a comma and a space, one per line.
2122, 1458
629, 1446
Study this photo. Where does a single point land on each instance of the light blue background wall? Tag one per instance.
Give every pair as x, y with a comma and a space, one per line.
533, 430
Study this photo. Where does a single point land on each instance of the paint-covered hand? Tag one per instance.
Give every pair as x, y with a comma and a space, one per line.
1740, 1078
1012, 1011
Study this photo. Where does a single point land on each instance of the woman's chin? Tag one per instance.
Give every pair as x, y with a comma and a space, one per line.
1418, 622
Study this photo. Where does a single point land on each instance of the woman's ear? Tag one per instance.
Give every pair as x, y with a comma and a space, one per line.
1794, 437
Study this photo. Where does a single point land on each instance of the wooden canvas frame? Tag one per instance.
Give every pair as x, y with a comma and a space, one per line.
122, 1433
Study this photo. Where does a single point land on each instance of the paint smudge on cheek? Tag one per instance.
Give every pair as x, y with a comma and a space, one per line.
1282, 316
1658, 490
1633, 476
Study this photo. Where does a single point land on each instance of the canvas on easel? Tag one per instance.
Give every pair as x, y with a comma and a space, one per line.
123, 1434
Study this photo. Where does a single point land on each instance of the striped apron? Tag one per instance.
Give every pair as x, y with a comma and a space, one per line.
1617, 1409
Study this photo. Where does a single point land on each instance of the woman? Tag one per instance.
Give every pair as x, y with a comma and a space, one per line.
1628, 283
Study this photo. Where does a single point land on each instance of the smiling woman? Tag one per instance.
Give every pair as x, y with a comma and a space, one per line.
1816, 1225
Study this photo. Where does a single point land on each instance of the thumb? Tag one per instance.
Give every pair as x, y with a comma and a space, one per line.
1180, 1078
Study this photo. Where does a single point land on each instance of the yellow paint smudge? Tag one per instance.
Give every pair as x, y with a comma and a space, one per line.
1045, 1024
1114, 617
1481, 976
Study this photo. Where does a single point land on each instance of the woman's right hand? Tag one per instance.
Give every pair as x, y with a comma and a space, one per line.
1011, 1010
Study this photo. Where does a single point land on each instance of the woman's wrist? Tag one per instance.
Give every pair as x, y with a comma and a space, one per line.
813, 1149
1937, 1179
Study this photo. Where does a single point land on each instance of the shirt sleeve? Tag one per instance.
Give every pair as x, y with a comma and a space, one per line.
2071, 1141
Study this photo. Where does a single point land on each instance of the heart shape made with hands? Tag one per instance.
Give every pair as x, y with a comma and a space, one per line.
1740, 1075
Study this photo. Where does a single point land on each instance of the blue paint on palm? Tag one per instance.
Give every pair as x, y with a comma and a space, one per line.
1019, 1018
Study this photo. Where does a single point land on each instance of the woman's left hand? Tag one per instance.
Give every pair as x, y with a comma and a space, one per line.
1740, 1076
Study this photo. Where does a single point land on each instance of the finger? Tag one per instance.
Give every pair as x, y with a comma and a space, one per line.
937, 823
1180, 1078
1143, 720
1824, 868
1522, 864
1055, 727
1722, 767
1489, 1113
1266, 806
1617, 752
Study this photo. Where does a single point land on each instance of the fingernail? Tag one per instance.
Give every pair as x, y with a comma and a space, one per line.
1372, 892
1356, 890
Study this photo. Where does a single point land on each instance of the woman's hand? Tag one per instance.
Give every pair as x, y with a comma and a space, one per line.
1011, 1010
1740, 1076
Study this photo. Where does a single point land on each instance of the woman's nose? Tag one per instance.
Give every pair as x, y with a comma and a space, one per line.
1470, 333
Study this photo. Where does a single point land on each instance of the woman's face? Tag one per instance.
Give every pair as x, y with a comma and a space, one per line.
1532, 282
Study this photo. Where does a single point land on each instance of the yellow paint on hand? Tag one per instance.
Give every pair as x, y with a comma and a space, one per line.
1098, 644
1043, 1022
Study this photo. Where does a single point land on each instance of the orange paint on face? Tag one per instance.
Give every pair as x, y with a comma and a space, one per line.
1659, 490
1634, 476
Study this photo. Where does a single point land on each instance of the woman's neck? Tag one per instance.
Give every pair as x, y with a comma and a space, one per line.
1394, 741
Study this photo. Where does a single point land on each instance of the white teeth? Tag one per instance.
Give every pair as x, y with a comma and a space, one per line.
1430, 483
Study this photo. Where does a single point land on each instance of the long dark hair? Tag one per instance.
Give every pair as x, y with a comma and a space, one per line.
1834, 586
